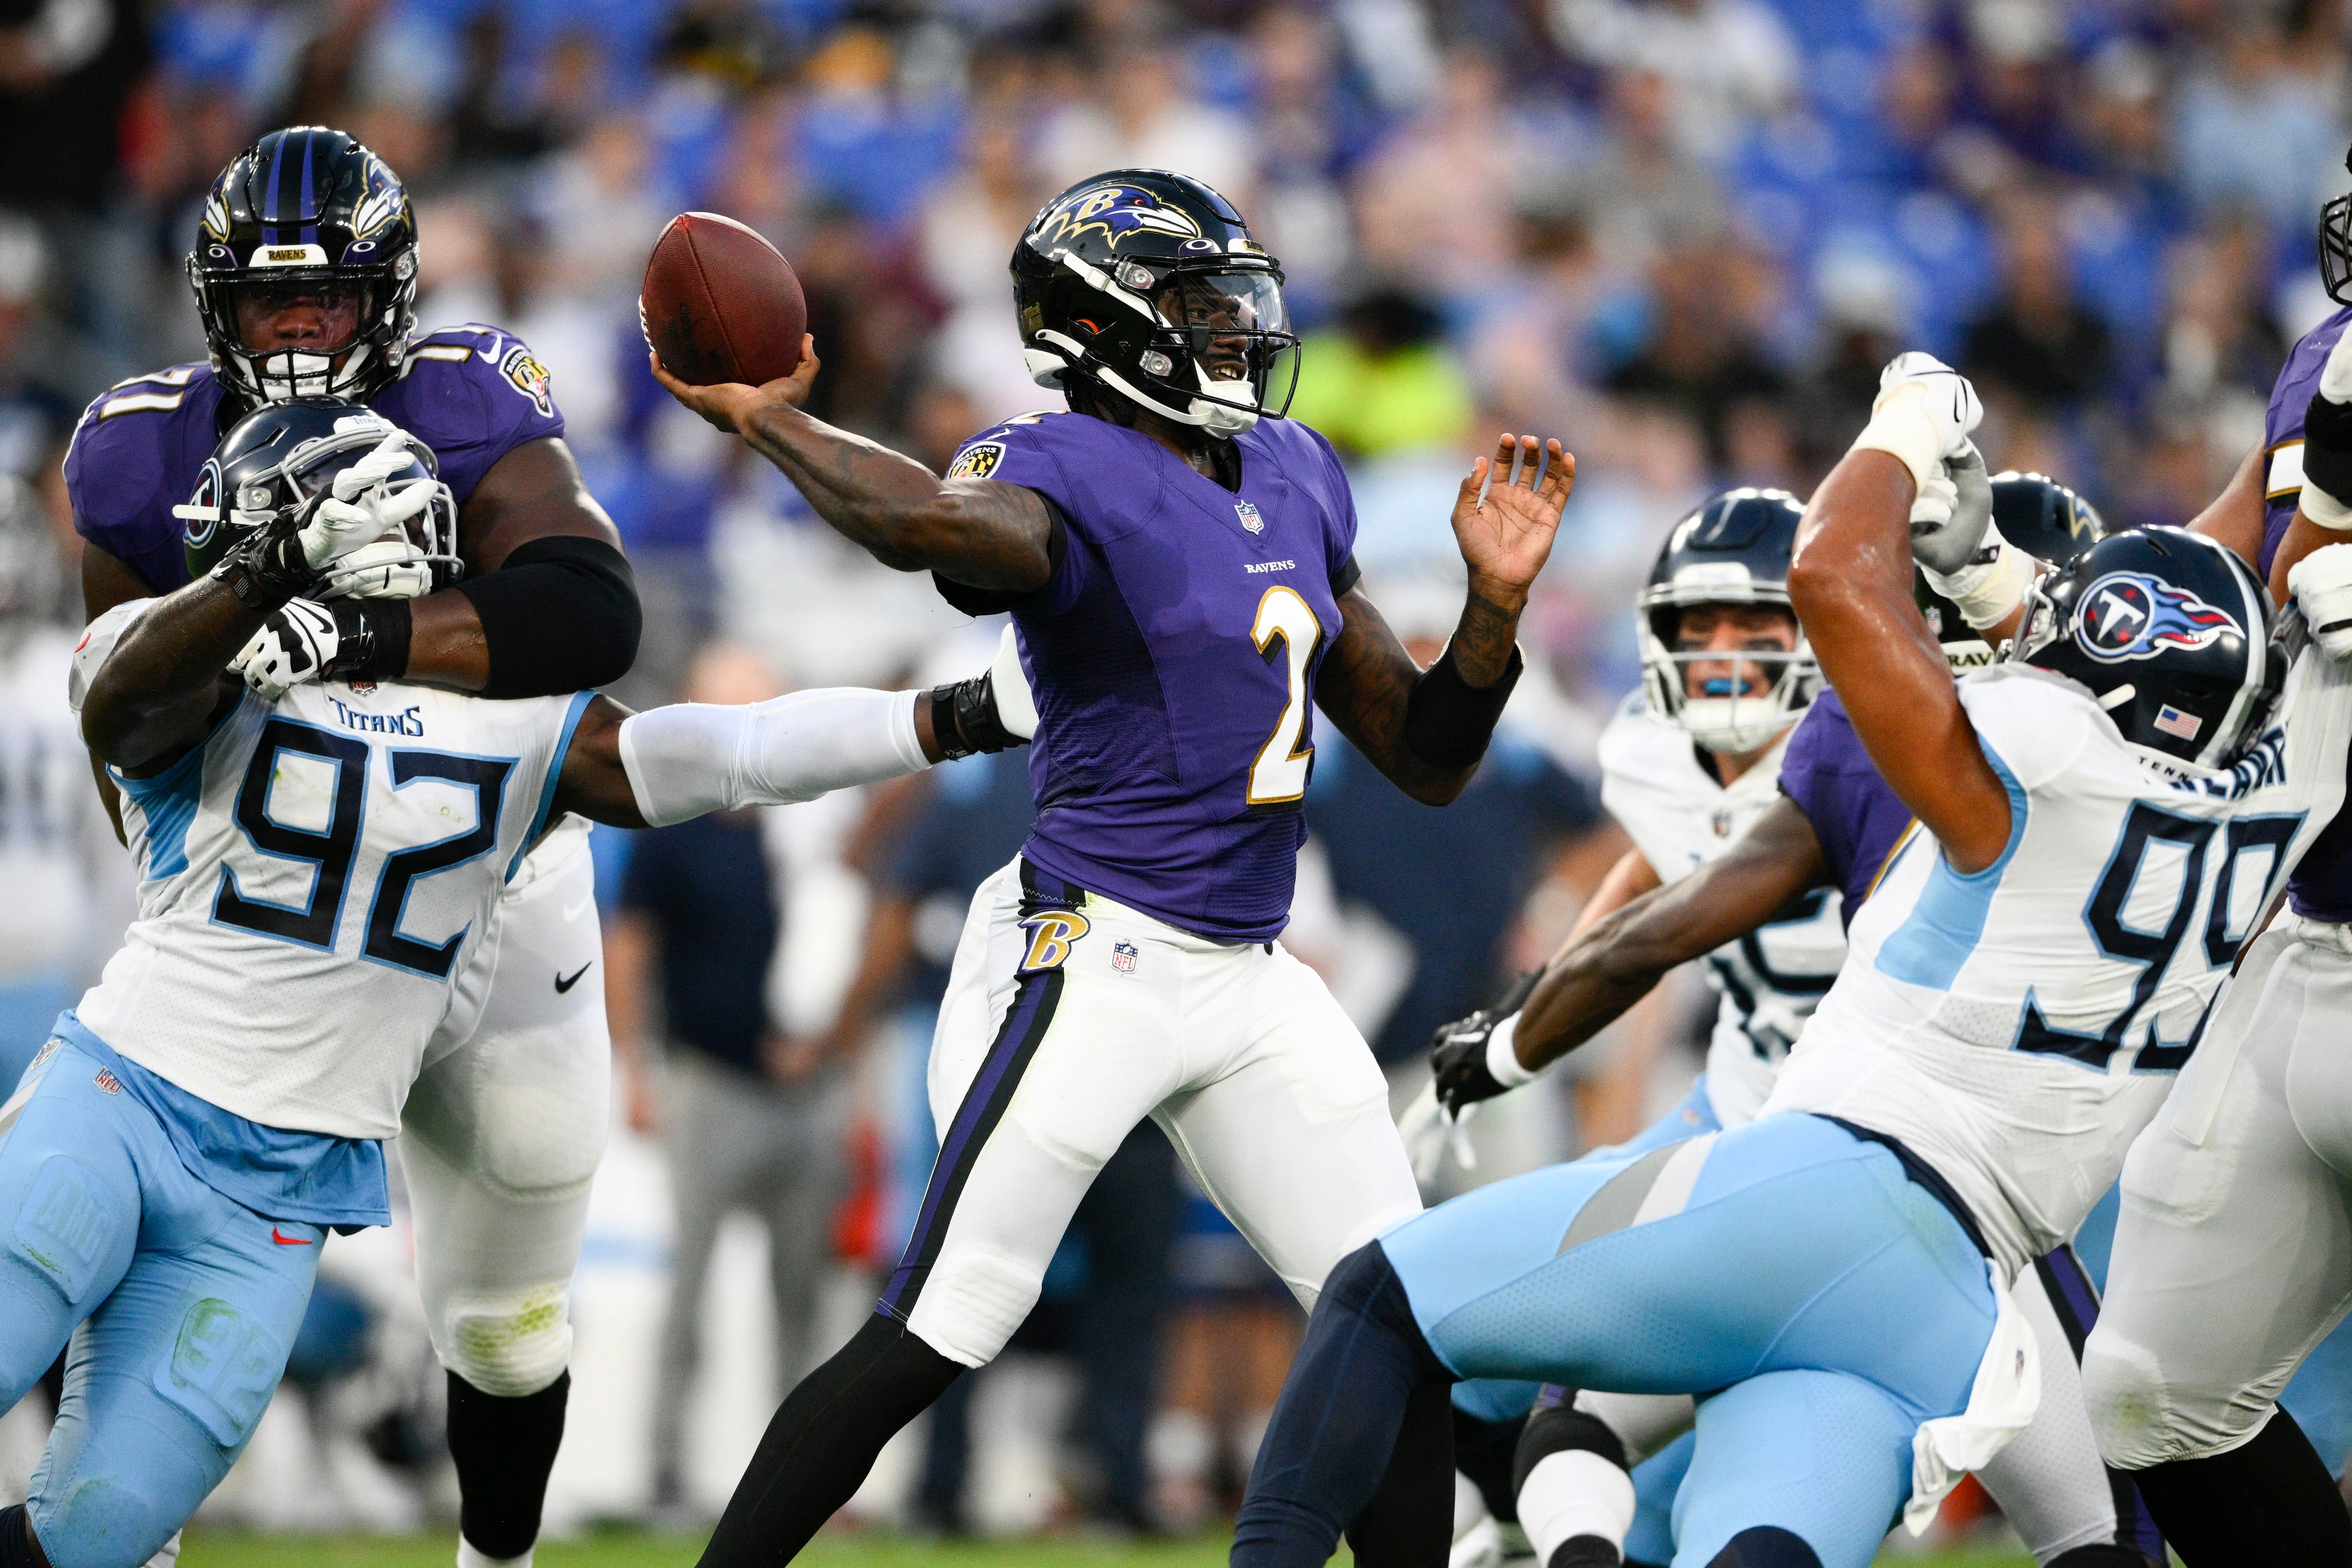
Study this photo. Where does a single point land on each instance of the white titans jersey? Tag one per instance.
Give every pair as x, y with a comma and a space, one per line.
2018, 1027
1654, 781
312, 879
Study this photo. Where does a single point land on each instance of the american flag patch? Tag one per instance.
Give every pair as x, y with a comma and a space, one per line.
2173, 721
1123, 956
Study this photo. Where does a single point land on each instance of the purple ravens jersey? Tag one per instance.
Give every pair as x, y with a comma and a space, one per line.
471, 393
1173, 653
1855, 813
2321, 888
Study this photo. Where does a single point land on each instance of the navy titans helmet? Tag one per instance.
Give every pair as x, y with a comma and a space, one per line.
2335, 244
279, 461
1147, 284
2048, 521
2172, 634
1734, 549
307, 216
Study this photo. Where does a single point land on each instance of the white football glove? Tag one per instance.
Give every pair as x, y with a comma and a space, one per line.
1924, 414
361, 511
296, 644
2321, 583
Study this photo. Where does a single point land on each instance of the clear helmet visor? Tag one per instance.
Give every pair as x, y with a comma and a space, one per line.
1236, 331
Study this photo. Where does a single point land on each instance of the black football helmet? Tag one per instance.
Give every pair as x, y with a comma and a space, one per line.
1147, 283
307, 215
2172, 634
1734, 549
2335, 244
2047, 520
279, 461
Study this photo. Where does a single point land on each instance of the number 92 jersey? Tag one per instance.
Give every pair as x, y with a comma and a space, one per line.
1680, 816
1173, 652
312, 878
2017, 1026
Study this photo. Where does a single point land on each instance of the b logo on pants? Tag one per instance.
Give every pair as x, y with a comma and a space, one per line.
1050, 938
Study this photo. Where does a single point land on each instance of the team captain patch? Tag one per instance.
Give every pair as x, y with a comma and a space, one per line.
528, 376
977, 461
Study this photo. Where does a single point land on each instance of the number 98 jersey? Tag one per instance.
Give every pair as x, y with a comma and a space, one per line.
2016, 1027
311, 878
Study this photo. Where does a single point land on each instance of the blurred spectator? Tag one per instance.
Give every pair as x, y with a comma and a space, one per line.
67, 69
1726, 61
748, 1112
1140, 115
2038, 342
2249, 131
1643, 193
1703, 354
1385, 382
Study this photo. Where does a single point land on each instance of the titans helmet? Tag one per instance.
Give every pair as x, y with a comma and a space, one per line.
2047, 520
2171, 633
1734, 549
278, 462
305, 217
1147, 284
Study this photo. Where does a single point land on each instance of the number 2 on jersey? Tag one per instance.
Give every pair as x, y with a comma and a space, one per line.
1279, 777
331, 847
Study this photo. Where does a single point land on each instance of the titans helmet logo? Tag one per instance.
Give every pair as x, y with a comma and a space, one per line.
2128, 616
1117, 213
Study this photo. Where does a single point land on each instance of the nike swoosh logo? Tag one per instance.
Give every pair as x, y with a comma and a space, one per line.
285, 1240
563, 985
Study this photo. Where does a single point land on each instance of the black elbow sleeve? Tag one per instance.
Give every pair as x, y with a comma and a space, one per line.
1448, 722
559, 616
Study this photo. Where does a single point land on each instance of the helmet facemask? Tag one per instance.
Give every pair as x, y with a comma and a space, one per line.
1219, 351
350, 321
1747, 696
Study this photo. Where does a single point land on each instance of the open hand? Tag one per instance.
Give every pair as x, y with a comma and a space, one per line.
725, 403
1506, 536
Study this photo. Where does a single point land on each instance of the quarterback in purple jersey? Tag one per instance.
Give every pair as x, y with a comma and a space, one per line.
305, 275
1176, 558
2232, 1267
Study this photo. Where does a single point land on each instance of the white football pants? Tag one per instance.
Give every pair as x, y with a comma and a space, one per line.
503, 1130
2233, 1254
1067, 1019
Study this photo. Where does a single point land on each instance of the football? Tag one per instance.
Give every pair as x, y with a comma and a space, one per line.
720, 304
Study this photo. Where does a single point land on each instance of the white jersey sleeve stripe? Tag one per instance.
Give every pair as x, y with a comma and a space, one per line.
1947, 921
578, 705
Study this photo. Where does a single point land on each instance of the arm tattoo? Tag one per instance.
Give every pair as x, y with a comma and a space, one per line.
1364, 685
980, 532
1483, 640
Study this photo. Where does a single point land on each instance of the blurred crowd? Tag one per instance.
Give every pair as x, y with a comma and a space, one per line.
1682, 234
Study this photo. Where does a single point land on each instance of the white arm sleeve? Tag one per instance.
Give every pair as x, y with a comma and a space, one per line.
694, 757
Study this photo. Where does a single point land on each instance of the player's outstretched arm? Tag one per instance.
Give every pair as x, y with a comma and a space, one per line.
672, 764
1604, 969
167, 676
982, 533
1427, 729
1851, 585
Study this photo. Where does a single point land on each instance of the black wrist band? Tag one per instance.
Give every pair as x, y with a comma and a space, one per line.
2327, 446
1447, 721
964, 719
372, 639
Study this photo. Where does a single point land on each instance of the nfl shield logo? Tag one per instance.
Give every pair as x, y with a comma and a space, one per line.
1250, 519
1123, 956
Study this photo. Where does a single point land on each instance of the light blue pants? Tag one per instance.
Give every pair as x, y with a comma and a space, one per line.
182, 1306
1822, 1302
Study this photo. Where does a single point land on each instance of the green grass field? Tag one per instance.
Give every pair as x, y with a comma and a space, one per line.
629, 1550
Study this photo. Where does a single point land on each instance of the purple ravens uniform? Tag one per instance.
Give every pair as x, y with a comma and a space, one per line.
1857, 816
2321, 888
472, 394
1123, 965
1173, 655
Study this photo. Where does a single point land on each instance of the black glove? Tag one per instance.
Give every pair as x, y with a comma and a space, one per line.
268, 565
1457, 1053
964, 719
